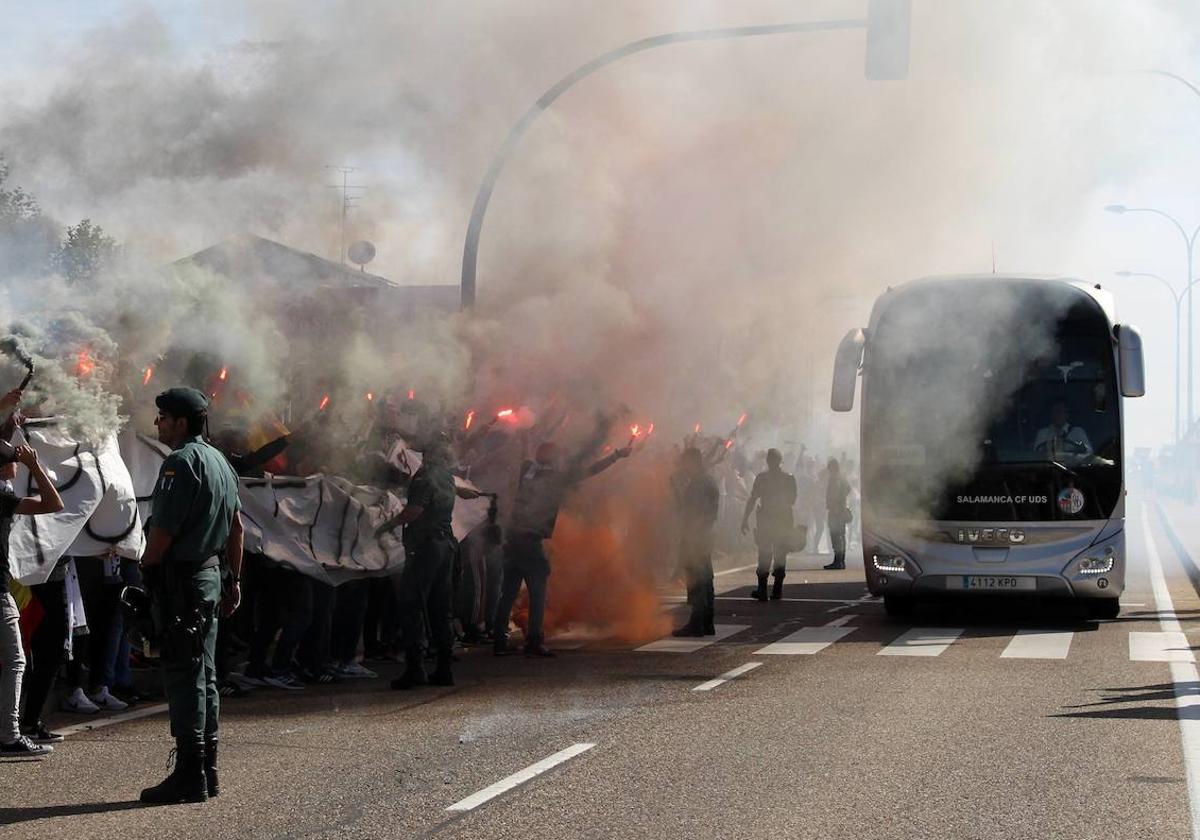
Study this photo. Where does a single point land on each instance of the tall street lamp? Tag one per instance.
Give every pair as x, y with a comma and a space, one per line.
1177, 297
1189, 241
887, 29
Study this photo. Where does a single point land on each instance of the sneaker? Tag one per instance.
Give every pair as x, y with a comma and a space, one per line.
39, 734
326, 676
24, 748
79, 703
284, 680
355, 671
106, 701
246, 684
251, 680
230, 688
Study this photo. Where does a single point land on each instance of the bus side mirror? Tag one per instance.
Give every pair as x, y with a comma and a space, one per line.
845, 370
1132, 367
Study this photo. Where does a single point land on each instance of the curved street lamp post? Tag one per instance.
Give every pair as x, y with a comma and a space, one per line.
1177, 297
1189, 242
887, 26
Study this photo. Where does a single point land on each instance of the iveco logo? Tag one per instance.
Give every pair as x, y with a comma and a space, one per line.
1013, 536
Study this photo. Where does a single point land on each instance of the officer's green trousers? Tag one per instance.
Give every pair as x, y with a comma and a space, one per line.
190, 670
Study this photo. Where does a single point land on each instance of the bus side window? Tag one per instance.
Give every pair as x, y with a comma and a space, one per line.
1100, 398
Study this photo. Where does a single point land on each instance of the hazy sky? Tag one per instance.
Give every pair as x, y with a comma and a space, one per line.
1145, 152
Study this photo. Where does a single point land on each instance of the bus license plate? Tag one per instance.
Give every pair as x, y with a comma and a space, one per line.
992, 583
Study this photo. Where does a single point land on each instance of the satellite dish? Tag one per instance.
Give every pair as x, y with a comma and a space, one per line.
361, 252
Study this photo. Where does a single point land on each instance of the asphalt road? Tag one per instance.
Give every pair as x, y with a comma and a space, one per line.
840, 731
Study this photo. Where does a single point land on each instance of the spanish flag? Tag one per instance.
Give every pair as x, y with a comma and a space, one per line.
29, 607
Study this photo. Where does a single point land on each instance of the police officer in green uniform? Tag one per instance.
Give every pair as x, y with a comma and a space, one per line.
426, 584
194, 521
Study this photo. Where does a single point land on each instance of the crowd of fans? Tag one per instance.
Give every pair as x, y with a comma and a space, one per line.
293, 630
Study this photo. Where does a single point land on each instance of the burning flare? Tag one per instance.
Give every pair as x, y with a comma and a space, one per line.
148, 375
370, 396
470, 420
504, 414
741, 420
412, 395
86, 364
324, 403
223, 374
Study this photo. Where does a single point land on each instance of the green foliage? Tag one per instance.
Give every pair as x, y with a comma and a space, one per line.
85, 250
15, 204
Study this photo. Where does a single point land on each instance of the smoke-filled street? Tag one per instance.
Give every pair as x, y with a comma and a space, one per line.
979, 725
609, 419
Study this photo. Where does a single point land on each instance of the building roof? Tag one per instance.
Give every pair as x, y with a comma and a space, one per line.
256, 260
246, 255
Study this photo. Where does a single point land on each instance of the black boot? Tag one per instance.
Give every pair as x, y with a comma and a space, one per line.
210, 766
692, 629
414, 671
186, 782
760, 594
777, 587
836, 564
442, 676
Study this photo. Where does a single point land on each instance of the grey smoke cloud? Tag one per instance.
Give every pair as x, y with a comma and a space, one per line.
680, 233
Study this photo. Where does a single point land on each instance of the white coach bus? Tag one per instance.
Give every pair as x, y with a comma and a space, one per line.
991, 439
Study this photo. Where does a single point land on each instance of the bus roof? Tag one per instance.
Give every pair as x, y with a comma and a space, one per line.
1101, 296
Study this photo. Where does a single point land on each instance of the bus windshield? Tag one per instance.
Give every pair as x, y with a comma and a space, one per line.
962, 431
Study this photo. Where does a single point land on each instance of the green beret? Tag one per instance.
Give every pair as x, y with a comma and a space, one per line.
182, 402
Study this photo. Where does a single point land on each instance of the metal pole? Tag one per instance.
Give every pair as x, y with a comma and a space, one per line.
1178, 341
484, 195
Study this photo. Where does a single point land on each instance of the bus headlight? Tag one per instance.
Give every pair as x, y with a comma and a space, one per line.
1098, 565
887, 562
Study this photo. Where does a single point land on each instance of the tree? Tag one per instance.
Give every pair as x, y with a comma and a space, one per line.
15, 204
28, 239
84, 251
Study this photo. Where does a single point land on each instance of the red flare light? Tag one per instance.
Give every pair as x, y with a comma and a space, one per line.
412, 395
741, 419
148, 375
504, 413
370, 396
635, 430
470, 420
729, 444
696, 430
86, 364
650, 430
223, 374
324, 403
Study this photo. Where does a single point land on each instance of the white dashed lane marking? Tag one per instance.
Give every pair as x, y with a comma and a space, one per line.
727, 676
519, 778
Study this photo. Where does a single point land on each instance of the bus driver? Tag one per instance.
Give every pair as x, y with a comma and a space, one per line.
1060, 439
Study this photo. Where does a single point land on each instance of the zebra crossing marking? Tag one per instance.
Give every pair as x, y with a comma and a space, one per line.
670, 644
1039, 644
923, 641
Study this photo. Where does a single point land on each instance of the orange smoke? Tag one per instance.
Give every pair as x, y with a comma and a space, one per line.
610, 550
